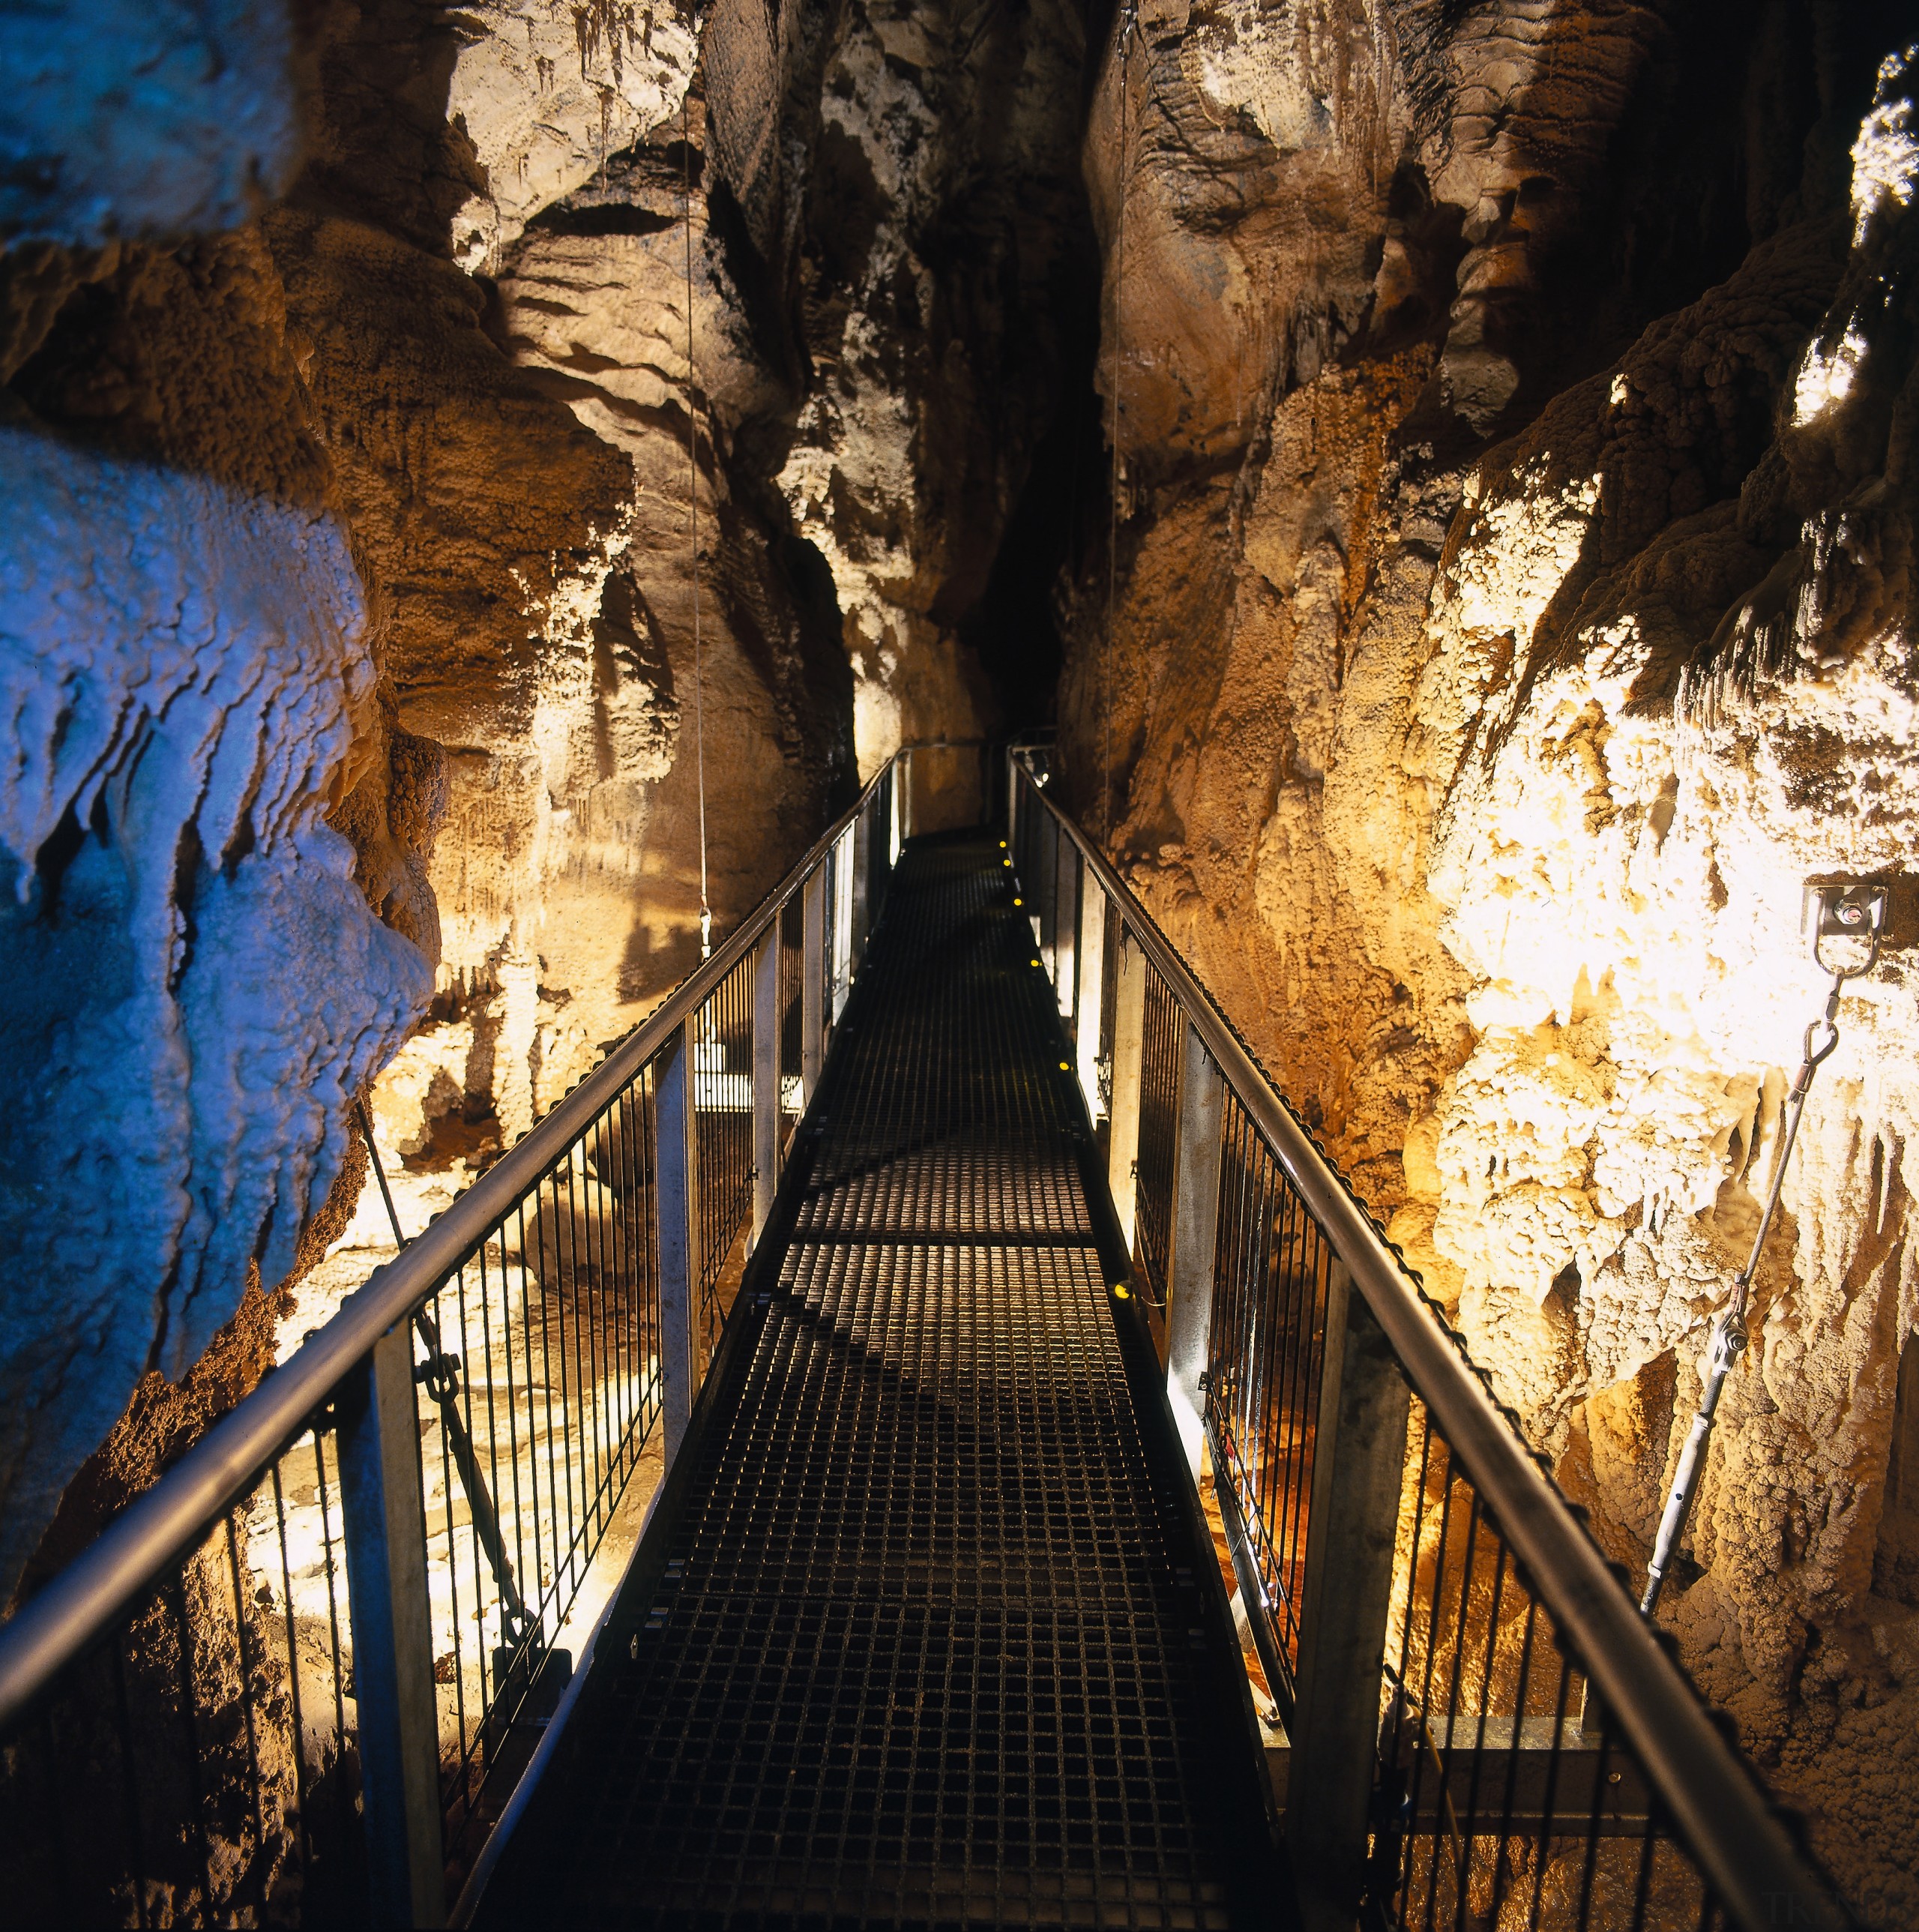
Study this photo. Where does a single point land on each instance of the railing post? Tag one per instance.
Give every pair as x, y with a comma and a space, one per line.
766, 1077
672, 1203
696, 1241
1345, 1597
393, 1662
886, 852
1047, 906
1066, 923
1021, 808
1128, 1046
812, 982
862, 886
1091, 954
844, 871
906, 796
1195, 1228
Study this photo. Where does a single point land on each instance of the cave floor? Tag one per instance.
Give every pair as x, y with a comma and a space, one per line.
924, 1631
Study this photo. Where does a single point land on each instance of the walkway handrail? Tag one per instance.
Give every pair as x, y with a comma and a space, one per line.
1722, 1815
61, 1620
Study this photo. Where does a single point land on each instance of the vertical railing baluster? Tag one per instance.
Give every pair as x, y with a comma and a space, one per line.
393, 1664
1129, 1044
766, 1076
1352, 1522
673, 1199
1195, 1228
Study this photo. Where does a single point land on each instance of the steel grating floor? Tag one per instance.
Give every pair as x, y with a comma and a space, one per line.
923, 1633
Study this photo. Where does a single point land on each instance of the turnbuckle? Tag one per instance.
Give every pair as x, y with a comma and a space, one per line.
439, 1374
1726, 1343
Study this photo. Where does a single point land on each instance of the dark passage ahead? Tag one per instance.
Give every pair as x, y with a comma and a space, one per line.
925, 1631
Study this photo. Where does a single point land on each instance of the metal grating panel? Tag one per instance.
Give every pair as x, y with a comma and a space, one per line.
925, 1645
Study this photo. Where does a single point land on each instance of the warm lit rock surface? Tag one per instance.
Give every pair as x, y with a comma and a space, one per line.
1514, 609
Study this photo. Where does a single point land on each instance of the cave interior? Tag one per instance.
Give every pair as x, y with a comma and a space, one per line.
487, 486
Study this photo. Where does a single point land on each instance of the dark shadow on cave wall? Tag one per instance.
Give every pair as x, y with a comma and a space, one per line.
1054, 528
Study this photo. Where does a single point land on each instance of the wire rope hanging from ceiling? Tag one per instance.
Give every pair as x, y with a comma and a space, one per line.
693, 523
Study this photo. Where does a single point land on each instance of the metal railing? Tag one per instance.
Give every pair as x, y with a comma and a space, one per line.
298, 1679
1481, 1729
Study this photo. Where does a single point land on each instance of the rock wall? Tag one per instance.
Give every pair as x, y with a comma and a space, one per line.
302, 568
453, 457
1514, 609
806, 268
194, 984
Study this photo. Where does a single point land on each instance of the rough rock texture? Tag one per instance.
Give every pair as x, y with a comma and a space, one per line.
195, 985
944, 255
879, 223
127, 120
374, 376
1515, 608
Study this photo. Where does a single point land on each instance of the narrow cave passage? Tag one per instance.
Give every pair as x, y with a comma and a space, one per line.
489, 489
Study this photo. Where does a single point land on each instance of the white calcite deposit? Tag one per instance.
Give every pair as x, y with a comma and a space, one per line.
196, 984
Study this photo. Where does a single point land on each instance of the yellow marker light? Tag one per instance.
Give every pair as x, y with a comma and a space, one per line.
1064, 1068
1018, 900
1121, 1292
1007, 863
1036, 962
1002, 844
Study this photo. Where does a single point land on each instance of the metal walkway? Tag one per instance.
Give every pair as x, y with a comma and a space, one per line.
925, 1631
925, 1628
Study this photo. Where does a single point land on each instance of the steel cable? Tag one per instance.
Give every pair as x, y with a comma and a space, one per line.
1728, 1340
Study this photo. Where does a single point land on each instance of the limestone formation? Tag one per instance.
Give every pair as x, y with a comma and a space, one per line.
1500, 644
1466, 449
538, 440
